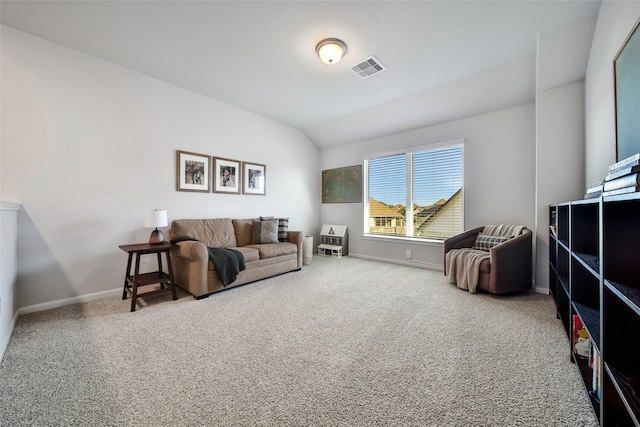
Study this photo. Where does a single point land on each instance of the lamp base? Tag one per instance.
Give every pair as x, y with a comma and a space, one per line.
156, 237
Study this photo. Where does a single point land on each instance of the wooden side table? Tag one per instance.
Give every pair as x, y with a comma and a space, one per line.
133, 281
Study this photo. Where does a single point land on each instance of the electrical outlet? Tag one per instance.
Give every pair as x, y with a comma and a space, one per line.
408, 253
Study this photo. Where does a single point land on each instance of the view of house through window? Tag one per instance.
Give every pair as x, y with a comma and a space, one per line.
429, 181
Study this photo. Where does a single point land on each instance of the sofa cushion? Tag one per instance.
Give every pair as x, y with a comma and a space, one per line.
275, 249
243, 229
250, 254
485, 242
264, 232
213, 233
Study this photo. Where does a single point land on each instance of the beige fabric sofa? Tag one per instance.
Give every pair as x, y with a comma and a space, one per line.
195, 273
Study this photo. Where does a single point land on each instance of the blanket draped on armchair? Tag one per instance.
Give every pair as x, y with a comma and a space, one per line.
463, 265
503, 230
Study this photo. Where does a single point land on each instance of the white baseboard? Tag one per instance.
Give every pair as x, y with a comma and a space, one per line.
425, 265
97, 295
429, 266
67, 301
5, 339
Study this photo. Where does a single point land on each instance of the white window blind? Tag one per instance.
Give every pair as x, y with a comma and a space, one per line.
429, 182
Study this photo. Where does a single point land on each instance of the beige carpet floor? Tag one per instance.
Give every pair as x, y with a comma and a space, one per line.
344, 342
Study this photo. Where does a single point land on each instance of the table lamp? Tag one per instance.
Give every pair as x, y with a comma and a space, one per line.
155, 219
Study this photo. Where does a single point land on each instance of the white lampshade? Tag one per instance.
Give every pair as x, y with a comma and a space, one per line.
331, 51
156, 218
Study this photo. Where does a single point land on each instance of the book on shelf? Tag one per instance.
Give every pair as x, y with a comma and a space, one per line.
624, 190
594, 190
581, 341
633, 160
622, 182
622, 172
595, 364
593, 194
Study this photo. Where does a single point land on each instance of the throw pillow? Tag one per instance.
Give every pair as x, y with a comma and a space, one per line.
264, 232
484, 242
244, 230
283, 229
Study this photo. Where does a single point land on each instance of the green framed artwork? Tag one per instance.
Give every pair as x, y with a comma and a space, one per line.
626, 67
342, 185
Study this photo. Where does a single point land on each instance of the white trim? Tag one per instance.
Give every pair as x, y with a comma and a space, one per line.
67, 301
5, 342
418, 241
9, 206
425, 265
435, 145
544, 291
408, 216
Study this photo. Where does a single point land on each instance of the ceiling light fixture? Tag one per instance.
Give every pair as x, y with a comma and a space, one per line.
331, 51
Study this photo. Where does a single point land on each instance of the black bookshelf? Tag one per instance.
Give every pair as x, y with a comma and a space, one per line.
594, 276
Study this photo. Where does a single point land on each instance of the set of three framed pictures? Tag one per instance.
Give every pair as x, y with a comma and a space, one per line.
195, 172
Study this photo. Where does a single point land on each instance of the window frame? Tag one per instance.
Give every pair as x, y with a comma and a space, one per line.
409, 189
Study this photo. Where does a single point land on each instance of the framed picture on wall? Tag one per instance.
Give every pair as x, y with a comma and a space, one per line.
226, 176
626, 66
342, 185
192, 172
254, 178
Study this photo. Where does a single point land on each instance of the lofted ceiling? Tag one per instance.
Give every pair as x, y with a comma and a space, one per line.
445, 59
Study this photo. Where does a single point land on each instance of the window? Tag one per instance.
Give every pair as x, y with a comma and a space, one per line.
427, 180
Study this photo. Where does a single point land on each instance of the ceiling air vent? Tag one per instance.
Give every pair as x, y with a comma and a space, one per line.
369, 67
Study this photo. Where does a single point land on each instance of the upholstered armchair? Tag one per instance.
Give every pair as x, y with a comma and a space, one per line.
500, 257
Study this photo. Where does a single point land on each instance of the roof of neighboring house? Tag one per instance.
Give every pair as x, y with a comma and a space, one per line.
422, 214
429, 213
378, 209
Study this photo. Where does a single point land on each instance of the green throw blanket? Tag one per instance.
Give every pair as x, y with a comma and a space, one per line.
228, 263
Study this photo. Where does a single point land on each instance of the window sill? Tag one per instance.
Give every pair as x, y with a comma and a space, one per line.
403, 239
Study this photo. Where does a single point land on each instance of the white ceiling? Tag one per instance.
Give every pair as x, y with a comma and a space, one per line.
445, 59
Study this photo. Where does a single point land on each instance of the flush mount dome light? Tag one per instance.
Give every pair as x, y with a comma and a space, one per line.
331, 51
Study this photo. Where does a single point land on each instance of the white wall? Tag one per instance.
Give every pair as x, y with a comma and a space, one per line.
88, 147
559, 161
499, 170
562, 57
615, 21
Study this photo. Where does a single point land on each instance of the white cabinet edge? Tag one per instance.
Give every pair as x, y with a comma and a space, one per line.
9, 206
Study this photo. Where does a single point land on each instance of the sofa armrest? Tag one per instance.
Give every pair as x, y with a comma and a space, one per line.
192, 250
462, 240
297, 237
190, 260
